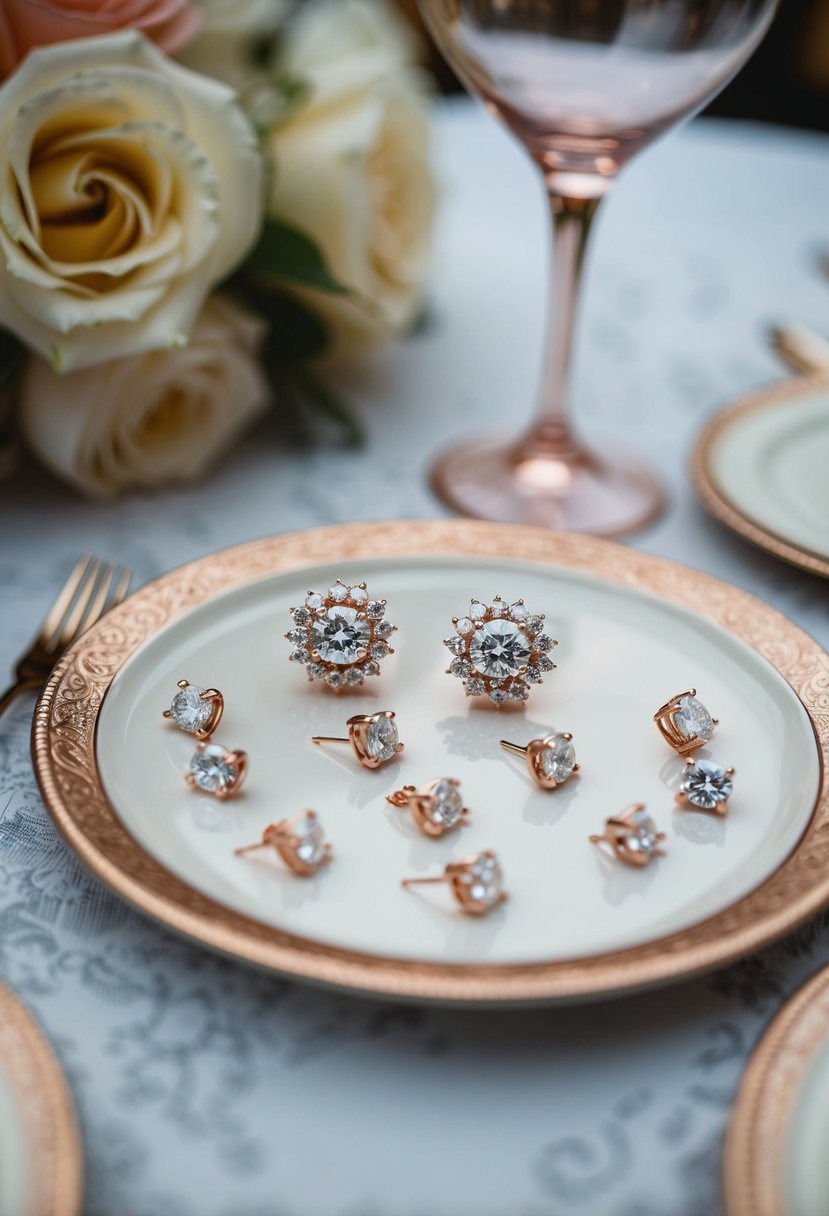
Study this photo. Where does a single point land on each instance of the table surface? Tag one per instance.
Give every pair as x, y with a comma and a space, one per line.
207, 1089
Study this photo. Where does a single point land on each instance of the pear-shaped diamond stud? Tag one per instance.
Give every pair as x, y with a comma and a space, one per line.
499, 649
340, 636
684, 722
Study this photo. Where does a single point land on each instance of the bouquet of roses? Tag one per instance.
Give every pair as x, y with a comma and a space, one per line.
197, 203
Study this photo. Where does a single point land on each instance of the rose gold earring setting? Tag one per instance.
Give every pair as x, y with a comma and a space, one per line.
684, 722
632, 835
706, 786
373, 737
299, 841
340, 637
551, 760
477, 883
198, 711
436, 809
500, 649
216, 771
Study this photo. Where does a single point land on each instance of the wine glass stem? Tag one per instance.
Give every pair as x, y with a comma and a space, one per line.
572, 217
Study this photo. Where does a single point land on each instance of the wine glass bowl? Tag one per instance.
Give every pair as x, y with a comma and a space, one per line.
584, 85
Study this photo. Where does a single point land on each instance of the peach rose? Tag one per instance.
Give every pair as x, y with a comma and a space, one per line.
28, 23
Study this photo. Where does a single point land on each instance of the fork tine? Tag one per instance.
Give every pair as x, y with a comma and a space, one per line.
58, 610
69, 627
120, 592
95, 607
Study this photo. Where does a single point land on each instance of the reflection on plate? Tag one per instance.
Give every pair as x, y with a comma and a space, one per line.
632, 630
41, 1166
760, 467
776, 1162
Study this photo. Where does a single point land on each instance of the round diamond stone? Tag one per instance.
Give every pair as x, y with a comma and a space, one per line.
498, 696
475, 687
189, 711
477, 610
497, 608
311, 847
486, 880
210, 770
354, 675
460, 668
706, 784
518, 612
448, 803
382, 739
464, 626
499, 649
693, 719
518, 690
376, 609
359, 595
644, 837
558, 759
338, 592
534, 624
301, 615
341, 636
313, 600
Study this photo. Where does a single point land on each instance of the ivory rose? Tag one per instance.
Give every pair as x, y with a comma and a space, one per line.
129, 186
224, 45
25, 24
351, 166
165, 416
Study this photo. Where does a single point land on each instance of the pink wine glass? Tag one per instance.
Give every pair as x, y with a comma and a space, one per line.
584, 85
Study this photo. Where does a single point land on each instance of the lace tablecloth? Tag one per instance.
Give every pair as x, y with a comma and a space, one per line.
206, 1089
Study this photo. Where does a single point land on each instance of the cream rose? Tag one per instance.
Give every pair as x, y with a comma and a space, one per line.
163, 416
224, 45
128, 187
351, 167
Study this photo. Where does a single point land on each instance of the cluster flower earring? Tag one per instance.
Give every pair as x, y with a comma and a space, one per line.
340, 637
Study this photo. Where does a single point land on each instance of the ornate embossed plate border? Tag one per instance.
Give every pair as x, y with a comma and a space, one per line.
714, 496
754, 1160
54, 1160
65, 761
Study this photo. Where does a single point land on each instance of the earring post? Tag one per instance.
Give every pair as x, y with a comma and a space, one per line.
249, 848
327, 739
513, 747
414, 882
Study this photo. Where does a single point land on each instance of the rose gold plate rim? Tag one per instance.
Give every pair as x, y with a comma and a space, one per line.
63, 742
714, 497
54, 1157
755, 1143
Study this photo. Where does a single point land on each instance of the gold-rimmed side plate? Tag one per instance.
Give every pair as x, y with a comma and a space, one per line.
41, 1160
775, 1160
759, 467
632, 629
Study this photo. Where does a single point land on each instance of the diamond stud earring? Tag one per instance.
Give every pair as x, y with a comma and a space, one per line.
705, 786
499, 650
373, 738
216, 771
436, 809
684, 722
551, 760
632, 836
299, 841
198, 711
476, 883
342, 636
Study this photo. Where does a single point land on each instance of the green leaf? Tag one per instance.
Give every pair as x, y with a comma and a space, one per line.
12, 357
322, 399
296, 333
284, 254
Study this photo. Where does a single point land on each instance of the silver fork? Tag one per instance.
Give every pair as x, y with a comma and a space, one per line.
92, 589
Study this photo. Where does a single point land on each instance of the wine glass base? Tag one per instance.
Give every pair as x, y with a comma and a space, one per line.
580, 491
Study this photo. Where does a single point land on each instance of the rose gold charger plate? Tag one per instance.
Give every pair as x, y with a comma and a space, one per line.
41, 1159
67, 719
759, 468
775, 1153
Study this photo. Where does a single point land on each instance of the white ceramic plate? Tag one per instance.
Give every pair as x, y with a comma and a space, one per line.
761, 467
41, 1167
776, 1162
622, 652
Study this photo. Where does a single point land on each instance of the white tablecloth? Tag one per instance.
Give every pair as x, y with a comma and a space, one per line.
206, 1089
